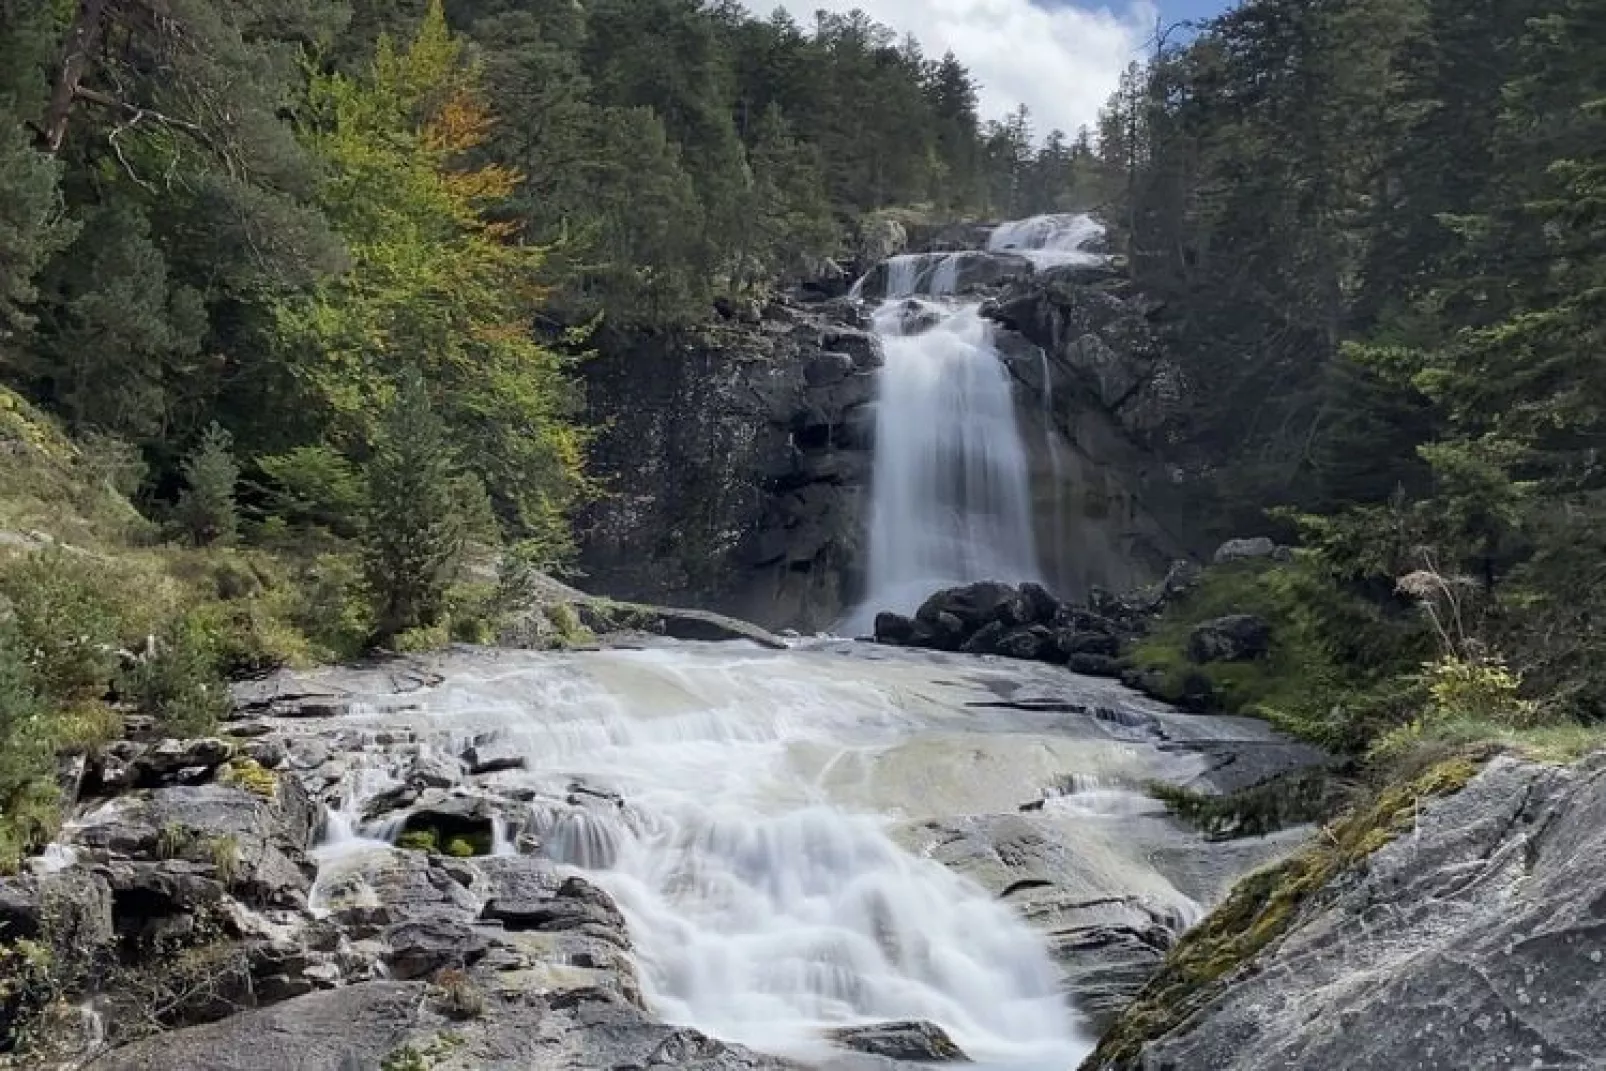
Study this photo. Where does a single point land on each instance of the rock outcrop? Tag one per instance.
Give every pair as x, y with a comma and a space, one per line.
739, 454
738, 457
1474, 937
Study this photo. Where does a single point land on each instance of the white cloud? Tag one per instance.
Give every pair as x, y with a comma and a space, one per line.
1062, 62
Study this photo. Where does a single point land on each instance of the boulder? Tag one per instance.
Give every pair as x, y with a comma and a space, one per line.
896, 630
418, 948
1235, 638
986, 639
974, 605
361, 1026
493, 755
1041, 606
1072, 642
1241, 550
913, 1041
169, 759
1095, 665
576, 905
1027, 644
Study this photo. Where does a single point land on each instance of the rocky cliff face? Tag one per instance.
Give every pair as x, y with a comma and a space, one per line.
737, 461
1473, 939
739, 456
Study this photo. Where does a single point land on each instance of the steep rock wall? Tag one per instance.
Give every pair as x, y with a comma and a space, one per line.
739, 456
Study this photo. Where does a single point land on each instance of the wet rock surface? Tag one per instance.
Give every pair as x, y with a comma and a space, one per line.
216, 927
1475, 940
916, 1042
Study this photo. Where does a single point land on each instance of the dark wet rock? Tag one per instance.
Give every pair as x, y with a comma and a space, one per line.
493, 756
986, 640
895, 629
1235, 638
418, 948
1041, 605
1095, 665
977, 604
576, 905
169, 759
1074, 642
1027, 644
914, 1041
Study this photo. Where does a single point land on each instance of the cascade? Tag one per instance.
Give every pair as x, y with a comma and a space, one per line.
950, 502
751, 813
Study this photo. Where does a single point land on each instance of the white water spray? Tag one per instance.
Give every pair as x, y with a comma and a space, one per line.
950, 501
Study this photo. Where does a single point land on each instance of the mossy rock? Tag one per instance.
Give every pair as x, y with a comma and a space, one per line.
1267, 905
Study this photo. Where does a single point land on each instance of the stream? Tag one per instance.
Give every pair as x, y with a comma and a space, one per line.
798, 839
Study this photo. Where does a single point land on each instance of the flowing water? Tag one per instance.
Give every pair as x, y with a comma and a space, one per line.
950, 501
751, 812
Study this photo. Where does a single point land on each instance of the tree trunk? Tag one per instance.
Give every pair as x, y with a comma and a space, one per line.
76, 56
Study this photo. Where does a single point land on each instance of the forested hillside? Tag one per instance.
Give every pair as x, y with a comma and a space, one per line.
1377, 227
310, 283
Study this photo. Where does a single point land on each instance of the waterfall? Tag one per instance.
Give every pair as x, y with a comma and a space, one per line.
950, 501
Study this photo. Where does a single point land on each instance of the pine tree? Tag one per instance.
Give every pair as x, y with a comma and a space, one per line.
206, 506
414, 535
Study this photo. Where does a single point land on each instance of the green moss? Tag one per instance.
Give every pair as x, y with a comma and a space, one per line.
461, 848
1332, 673
565, 621
251, 776
1287, 800
1266, 905
419, 840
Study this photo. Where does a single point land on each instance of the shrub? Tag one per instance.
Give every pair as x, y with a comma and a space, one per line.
65, 622
178, 681
206, 508
316, 485
1335, 659
28, 795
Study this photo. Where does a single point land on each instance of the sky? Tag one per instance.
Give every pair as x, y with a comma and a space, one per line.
1060, 58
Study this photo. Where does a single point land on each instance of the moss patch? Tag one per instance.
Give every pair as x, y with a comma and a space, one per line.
1283, 801
1330, 674
1266, 905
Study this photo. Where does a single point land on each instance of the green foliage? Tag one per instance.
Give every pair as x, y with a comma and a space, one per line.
65, 621
29, 810
1335, 656
419, 840
315, 485
33, 225
206, 507
178, 681
414, 535
251, 776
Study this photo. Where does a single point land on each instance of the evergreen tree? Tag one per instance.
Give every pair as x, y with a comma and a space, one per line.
414, 533
206, 507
